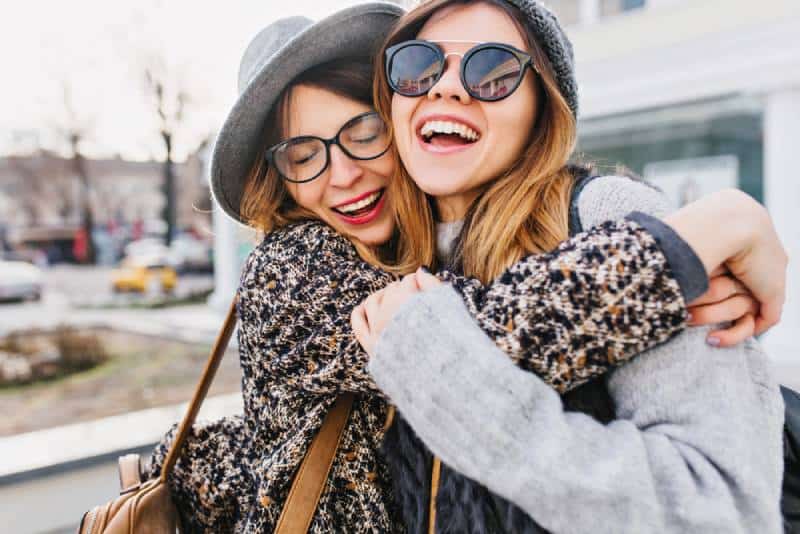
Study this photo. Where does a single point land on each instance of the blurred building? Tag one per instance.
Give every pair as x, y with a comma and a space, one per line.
695, 95
41, 189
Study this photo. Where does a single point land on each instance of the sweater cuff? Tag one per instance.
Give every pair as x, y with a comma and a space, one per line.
686, 267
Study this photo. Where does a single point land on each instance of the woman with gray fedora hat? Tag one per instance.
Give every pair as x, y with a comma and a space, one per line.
324, 160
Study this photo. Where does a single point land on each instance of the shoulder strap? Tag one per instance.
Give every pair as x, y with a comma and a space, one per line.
300, 505
575, 225
309, 482
221, 343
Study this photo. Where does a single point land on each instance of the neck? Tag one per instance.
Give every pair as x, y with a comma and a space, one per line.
452, 208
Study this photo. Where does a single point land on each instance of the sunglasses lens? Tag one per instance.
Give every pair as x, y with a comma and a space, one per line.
492, 73
414, 69
365, 137
300, 159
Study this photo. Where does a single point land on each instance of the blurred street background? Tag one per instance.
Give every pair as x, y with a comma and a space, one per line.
116, 269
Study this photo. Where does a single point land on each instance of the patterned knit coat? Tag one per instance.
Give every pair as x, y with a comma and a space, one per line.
570, 315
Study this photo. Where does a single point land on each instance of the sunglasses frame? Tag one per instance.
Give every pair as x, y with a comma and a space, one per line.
525, 60
269, 155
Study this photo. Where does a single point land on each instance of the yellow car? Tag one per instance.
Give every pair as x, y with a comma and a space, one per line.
144, 279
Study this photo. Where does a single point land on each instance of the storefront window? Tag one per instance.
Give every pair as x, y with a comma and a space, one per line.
612, 7
685, 150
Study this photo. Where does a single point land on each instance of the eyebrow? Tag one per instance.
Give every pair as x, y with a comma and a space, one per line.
454, 41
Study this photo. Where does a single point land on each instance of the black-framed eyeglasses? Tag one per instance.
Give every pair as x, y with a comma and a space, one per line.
301, 159
489, 71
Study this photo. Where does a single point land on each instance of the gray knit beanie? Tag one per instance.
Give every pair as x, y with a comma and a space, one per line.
556, 45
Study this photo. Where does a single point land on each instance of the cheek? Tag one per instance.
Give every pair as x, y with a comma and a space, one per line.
310, 196
518, 121
383, 167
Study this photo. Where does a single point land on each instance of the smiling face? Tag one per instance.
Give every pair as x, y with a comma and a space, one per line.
350, 195
487, 138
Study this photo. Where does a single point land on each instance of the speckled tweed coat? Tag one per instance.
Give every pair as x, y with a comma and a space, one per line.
568, 316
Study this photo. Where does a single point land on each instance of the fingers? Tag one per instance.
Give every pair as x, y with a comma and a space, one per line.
742, 328
719, 289
373, 303
769, 315
410, 283
719, 271
426, 281
358, 320
727, 310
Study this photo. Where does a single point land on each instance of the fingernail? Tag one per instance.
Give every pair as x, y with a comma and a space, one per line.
689, 317
713, 341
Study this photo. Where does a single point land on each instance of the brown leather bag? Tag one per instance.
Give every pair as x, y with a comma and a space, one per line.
147, 508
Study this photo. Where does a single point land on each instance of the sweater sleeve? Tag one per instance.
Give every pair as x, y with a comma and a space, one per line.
600, 298
297, 291
696, 446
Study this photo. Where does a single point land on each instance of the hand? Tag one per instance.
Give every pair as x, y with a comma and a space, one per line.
371, 316
726, 300
744, 241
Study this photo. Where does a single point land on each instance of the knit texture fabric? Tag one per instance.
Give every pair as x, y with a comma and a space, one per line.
298, 352
696, 446
550, 35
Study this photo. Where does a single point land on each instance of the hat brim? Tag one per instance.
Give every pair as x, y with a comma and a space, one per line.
355, 31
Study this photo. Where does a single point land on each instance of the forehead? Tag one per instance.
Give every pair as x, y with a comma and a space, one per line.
475, 21
318, 112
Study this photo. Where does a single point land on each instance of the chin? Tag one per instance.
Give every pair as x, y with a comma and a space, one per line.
444, 183
374, 238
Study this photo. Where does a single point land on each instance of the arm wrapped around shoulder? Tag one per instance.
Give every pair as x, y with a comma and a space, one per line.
576, 312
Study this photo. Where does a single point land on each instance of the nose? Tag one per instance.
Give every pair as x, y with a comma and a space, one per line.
449, 86
344, 170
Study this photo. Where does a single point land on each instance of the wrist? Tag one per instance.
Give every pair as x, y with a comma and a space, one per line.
718, 227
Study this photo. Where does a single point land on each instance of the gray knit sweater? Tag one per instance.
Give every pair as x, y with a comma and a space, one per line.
696, 446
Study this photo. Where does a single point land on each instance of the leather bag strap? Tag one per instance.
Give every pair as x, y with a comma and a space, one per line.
309, 482
301, 503
221, 343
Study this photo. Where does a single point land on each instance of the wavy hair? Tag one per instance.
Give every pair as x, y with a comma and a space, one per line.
526, 209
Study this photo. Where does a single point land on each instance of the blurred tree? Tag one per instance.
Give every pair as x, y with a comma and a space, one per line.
169, 102
74, 130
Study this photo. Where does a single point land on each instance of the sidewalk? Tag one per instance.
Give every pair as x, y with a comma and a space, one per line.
193, 323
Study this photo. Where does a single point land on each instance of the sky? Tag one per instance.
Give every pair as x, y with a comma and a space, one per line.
92, 54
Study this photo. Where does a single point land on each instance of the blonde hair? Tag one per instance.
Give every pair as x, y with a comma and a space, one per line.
266, 203
523, 211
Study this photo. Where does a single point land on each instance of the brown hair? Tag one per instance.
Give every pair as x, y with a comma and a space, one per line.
266, 203
523, 211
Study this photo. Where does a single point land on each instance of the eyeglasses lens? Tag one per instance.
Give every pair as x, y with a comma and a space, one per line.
366, 137
492, 73
414, 70
301, 159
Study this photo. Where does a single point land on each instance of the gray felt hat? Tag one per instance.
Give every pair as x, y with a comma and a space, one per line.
278, 54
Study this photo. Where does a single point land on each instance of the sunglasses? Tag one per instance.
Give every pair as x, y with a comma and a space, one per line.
489, 71
301, 159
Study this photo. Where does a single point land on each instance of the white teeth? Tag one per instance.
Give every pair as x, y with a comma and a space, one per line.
449, 127
363, 203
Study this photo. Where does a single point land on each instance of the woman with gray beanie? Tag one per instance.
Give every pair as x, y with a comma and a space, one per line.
685, 438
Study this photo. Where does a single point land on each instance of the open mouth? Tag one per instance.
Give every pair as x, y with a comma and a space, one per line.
361, 207
447, 134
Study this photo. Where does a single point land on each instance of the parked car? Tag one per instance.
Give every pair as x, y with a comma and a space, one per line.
186, 253
20, 280
144, 276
